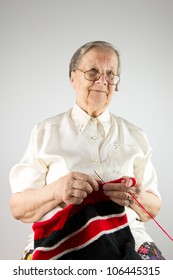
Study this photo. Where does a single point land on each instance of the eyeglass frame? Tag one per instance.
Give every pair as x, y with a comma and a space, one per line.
99, 76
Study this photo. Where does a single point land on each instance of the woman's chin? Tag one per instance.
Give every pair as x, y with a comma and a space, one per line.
96, 99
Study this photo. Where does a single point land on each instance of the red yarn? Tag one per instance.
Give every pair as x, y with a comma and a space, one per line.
120, 180
151, 216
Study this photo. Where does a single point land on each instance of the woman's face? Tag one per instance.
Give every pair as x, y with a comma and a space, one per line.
94, 96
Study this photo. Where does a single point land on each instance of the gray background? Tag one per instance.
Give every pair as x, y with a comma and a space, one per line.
38, 38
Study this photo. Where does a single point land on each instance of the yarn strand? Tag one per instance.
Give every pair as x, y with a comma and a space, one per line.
151, 217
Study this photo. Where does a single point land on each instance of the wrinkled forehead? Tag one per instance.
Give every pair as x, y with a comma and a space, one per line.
99, 56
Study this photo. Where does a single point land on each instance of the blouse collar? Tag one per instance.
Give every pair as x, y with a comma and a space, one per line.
81, 119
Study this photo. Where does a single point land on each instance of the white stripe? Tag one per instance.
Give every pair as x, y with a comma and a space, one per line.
74, 233
46, 249
89, 241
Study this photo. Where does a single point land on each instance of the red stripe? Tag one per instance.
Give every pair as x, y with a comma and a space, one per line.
82, 237
57, 222
45, 228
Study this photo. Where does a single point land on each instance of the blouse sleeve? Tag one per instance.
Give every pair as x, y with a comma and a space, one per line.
143, 166
30, 172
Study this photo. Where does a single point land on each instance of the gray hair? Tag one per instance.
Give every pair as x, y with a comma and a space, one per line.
74, 62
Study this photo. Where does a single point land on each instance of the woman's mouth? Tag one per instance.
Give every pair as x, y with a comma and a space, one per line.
99, 90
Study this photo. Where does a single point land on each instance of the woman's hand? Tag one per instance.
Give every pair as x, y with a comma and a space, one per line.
120, 192
74, 187
32, 204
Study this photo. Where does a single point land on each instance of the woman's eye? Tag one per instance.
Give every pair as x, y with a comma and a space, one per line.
94, 71
110, 72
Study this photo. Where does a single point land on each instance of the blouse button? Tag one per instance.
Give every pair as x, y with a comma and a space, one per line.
93, 119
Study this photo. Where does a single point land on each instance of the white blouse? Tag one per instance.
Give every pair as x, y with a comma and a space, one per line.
74, 141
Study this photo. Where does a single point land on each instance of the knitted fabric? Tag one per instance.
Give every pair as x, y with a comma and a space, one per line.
95, 229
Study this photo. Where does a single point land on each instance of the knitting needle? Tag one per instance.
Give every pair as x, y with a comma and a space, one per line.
99, 176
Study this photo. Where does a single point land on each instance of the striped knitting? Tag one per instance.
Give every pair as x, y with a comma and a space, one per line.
95, 229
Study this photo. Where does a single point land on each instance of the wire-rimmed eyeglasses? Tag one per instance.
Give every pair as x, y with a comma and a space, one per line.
94, 75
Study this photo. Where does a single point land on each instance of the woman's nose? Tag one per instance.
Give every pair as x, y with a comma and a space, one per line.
102, 80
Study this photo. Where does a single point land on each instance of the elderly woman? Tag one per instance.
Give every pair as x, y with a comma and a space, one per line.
68, 153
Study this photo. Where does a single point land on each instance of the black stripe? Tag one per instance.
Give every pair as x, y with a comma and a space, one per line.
78, 220
114, 246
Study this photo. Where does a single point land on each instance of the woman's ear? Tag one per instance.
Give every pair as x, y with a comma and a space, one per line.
72, 79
